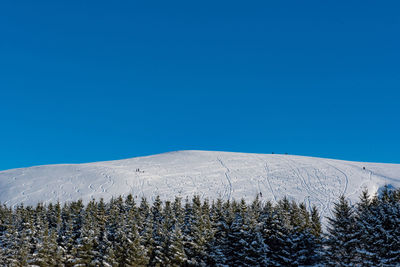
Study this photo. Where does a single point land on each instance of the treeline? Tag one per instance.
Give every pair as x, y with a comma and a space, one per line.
193, 232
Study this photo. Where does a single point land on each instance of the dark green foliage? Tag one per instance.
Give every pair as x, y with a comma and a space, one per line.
342, 236
223, 233
176, 254
378, 221
367, 234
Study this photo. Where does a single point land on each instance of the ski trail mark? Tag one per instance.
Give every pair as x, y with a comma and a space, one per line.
296, 171
228, 178
126, 181
346, 179
109, 180
268, 181
140, 183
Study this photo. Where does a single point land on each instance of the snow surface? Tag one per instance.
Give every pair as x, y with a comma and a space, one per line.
315, 181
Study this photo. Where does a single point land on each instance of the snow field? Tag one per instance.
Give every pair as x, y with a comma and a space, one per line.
226, 175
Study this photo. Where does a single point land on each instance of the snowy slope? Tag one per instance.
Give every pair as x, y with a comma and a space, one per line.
210, 174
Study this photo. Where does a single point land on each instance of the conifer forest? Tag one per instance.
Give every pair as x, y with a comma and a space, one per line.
127, 231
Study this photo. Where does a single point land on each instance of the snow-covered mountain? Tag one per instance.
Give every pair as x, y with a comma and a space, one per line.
226, 175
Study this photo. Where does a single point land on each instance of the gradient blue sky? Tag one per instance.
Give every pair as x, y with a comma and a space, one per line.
84, 81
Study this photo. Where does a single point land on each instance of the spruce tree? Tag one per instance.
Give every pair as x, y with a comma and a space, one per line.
342, 236
387, 213
305, 248
158, 238
366, 223
145, 227
221, 224
176, 253
276, 234
132, 252
47, 252
247, 247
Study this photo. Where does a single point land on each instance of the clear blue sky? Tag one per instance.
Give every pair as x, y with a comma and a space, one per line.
84, 81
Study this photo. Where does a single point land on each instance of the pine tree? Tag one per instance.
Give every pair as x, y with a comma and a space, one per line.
197, 232
387, 235
276, 233
366, 223
176, 253
130, 205
221, 224
145, 227
101, 243
246, 246
46, 249
207, 232
23, 252
158, 239
305, 247
10, 243
341, 238
70, 231
85, 245
316, 231
316, 227
132, 252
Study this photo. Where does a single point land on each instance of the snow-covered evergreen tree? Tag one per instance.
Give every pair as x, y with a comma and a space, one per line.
247, 248
176, 252
229, 233
342, 236
221, 214
276, 234
48, 253
387, 214
305, 250
157, 256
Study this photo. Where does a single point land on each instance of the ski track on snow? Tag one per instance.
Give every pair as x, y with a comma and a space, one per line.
314, 181
227, 177
269, 183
